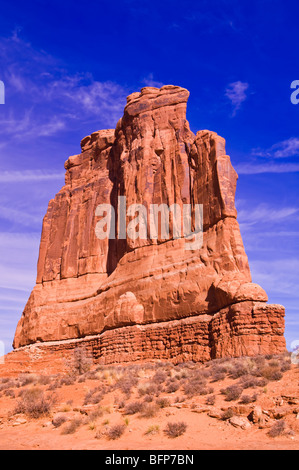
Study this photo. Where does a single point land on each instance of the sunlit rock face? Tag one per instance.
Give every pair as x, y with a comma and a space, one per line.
151, 296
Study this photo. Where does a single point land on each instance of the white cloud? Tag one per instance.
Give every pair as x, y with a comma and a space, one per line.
265, 213
236, 93
286, 148
278, 276
257, 168
149, 81
45, 99
29, 176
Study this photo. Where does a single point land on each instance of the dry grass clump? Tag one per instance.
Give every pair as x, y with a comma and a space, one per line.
152, 430
174, 430
34, 403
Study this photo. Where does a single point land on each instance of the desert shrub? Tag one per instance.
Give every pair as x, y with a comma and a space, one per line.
271, 373
211, 400
44, 380
285, 366
197, 386
10, 393
148, 398
72, 426
250, 381
133, 407
57, 421
149, 410
233, 392
277, 429
173, 387
246, 399
94, 396
26, 379
218, 375
239, 369
126, 383
116, 431
150, 389
34, 403
80, 363
159, 377
227, 414
67, 381
163, 402
174, 430
95, 414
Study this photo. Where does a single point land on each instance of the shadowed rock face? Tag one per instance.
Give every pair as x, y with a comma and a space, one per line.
86, 286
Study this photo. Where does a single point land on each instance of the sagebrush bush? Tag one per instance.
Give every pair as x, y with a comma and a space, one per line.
233, 392
149, 410
80, 363
277, 429
116, 431
174, 430
133, 407
72, 426
163, 402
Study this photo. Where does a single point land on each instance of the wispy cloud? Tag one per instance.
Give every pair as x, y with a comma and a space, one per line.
236, 93
286, 148
277, 276
149, 81
45, 99
258, 168
29, 176
264, 213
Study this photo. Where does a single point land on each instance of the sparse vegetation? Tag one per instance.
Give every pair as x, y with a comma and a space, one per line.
147, 391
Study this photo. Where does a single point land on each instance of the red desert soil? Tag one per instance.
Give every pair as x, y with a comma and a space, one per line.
128, 407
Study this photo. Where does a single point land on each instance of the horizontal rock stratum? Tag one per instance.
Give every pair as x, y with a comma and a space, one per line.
129, 299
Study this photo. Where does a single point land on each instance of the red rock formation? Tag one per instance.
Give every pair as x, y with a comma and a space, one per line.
149, 298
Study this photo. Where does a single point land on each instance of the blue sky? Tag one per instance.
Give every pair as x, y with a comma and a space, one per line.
67, 69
